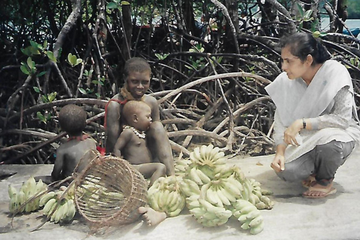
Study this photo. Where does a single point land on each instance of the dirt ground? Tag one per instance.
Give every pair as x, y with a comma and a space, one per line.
293, 217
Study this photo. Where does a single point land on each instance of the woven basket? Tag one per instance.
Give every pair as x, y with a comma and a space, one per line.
109, 191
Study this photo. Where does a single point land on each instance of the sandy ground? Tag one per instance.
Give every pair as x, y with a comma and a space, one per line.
293, 217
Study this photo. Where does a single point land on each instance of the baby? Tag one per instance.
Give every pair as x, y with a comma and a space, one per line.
132, 141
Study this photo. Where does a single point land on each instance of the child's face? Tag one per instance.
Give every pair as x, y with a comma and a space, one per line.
144, 119
138, 83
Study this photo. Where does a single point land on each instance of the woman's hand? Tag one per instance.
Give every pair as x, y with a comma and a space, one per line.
292, 131
278, 164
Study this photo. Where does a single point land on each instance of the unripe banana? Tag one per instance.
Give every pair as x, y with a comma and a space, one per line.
71, 211
48, 206
257, 229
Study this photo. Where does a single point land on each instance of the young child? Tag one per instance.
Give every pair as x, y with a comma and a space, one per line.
132, 142
72, 119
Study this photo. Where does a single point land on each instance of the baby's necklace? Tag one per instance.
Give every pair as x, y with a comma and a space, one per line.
137, 132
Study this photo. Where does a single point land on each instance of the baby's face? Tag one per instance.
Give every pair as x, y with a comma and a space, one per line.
144, 119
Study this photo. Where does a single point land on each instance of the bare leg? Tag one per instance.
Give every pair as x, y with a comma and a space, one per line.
152, 217
152, 171
160, 147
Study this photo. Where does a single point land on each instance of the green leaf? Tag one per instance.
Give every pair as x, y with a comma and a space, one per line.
45, 44
308, 14
83, 91
44, 99
41, 74
95, 81
301, 10
72, 59
24, 69
125, 3
41, 117
52, 96
30, 63
36, 89
78, 61
112, 5
26, 51
34, 44
97, 95
51, 56
34, 51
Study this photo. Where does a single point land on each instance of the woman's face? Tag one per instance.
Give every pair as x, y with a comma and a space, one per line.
138, 83
292, 65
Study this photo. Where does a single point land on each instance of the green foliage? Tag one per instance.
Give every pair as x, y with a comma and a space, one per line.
28, 67
161, 56
73, 60
304, 16
355, 62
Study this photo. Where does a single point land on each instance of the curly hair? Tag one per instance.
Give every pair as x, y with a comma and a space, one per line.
136, 64
72, 119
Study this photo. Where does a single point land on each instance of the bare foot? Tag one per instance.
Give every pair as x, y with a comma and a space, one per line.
319, 191
152, 217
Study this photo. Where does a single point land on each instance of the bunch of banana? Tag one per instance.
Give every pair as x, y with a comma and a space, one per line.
64, 211
258, 197
206, 213
220, 192
208, 156
188, 187
165, 196
59, 205
248, 215
26, 199
180, 166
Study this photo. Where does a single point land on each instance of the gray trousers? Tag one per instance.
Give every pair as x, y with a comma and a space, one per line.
323, 161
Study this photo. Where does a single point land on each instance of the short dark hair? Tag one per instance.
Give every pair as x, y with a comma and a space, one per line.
302, 44
136, 64
72, 119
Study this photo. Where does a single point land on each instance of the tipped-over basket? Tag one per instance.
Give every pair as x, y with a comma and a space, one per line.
109, 191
